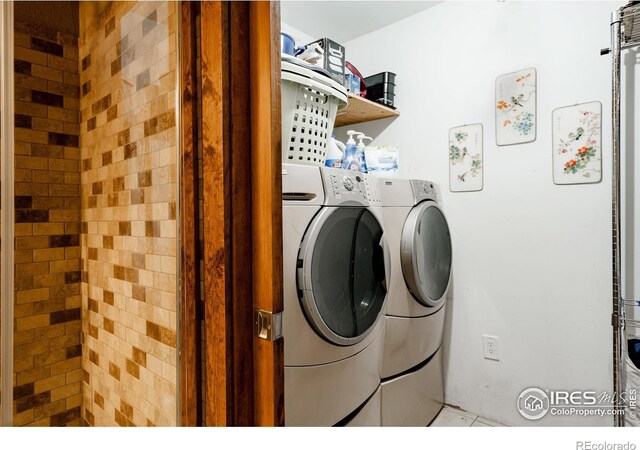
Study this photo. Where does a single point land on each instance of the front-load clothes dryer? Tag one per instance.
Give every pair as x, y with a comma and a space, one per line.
336, 268
420, 250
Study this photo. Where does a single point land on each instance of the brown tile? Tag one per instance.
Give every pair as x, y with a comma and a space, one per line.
116, 66
94, 358
65, 240
133, 368
139, 293
110, 26
108, 325
23, 201
72, 277
68, 140
107, 157
74, 351
90, 418
46, 98
139, 356
91, 124
149, 22
124, 137
118, 272
23, 121
65, 417
86, 88
31, 215
124, 228
32, 401
142, 80
144, 178
65, 316
98, 400
51, 48
107, 242
137, 196
86, 62
152, 228
101, 105
138, 260
23, 67
112, 113
153, 330
114, 371
23, 391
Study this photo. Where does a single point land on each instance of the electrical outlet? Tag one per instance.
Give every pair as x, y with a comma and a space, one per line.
491, 347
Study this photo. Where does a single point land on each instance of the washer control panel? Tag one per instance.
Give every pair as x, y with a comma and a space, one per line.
343, 186
424, 190
372, 184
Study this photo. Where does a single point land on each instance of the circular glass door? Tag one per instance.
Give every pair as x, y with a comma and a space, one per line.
342, 273
425, 253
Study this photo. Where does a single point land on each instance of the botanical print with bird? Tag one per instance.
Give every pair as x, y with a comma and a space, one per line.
576, 144
465, 158
516, 107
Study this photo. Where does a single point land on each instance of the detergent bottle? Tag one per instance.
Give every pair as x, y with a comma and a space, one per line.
350, 160
360, 153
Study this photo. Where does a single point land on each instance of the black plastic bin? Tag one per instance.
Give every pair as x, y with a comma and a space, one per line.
380, 78
381, 88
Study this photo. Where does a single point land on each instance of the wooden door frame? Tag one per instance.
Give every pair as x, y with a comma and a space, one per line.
242, 214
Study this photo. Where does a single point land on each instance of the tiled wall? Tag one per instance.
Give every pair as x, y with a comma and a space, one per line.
128, 175
47, 353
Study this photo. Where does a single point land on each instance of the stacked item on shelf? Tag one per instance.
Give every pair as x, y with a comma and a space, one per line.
381, 88
310, 102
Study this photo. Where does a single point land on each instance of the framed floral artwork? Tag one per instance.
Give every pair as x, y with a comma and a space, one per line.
516, 107
577, 140
465, 158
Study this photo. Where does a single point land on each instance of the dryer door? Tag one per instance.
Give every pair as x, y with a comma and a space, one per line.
425, 253
342, 270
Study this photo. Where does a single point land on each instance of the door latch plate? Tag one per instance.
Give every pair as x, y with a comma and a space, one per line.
268, 326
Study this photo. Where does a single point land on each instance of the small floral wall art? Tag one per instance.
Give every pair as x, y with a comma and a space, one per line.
516, 107
577, 138
465, 158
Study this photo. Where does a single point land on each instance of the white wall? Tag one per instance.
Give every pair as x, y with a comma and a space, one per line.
299, 36
532, 259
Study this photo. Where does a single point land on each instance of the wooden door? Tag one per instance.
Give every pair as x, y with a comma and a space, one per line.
242, 375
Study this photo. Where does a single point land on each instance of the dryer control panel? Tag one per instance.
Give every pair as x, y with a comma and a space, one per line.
424, 190
343, 187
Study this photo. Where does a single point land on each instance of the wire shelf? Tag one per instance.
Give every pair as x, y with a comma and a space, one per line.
630, 29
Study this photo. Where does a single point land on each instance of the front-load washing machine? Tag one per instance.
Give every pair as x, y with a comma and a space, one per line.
336, 265
412, 391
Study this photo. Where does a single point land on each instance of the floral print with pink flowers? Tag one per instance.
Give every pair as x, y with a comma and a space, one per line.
577, 135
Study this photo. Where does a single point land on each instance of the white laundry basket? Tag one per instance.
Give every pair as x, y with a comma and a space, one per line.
310, 102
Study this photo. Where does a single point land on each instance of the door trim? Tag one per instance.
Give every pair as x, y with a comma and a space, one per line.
266, 171
189, 377
7, 194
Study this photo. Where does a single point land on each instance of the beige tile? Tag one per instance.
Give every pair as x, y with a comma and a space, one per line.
449, 418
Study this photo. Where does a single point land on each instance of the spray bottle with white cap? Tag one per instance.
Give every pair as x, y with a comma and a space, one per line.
350, 160
360, 154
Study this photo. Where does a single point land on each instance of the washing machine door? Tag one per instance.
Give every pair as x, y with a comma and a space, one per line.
343, 264
425, 253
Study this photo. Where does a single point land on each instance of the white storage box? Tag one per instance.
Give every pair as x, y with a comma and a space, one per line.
310, 102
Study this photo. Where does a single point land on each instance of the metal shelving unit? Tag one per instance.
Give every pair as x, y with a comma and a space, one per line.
625, 33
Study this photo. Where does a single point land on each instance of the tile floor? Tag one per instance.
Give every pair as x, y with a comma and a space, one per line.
454, 417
